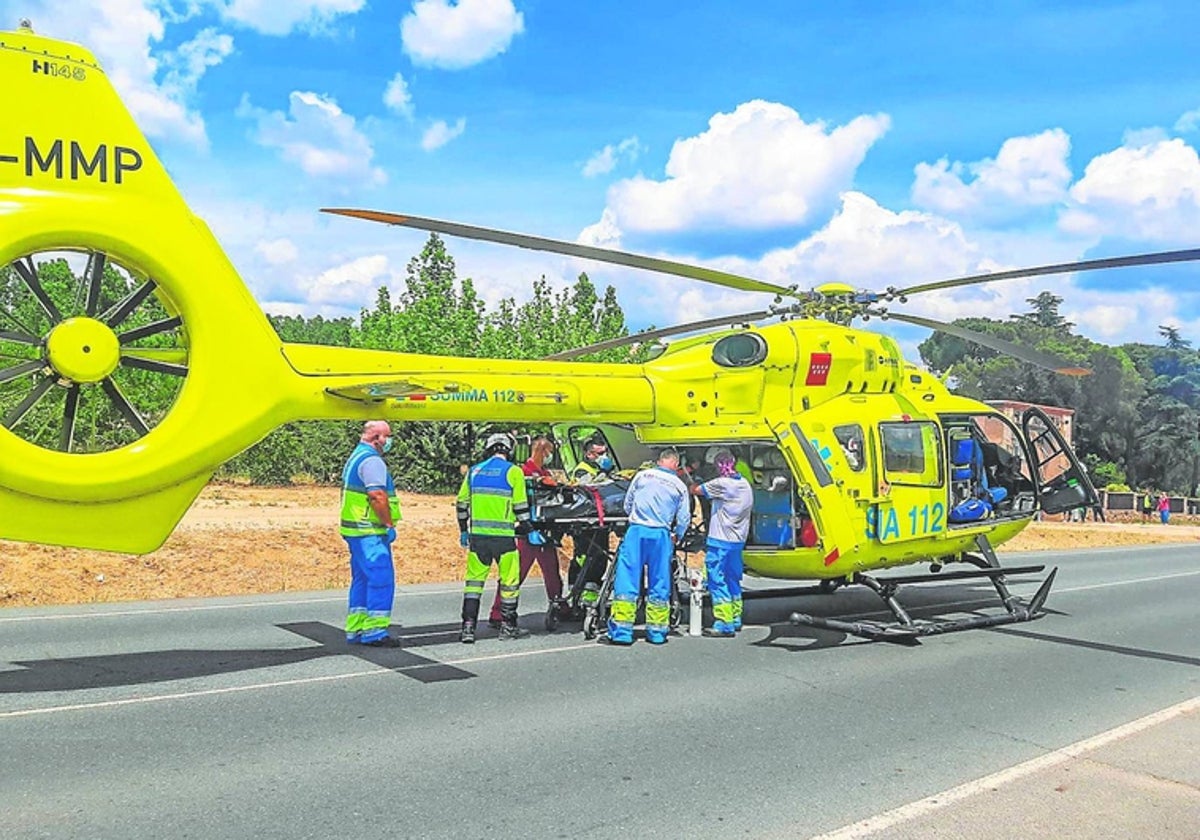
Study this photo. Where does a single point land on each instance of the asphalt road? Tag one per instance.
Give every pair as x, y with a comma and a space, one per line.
249, 717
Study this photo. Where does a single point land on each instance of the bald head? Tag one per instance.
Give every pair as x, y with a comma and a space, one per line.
375, 433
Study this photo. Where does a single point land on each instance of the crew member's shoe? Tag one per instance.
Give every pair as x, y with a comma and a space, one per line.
495, 623
719, 634
512, 631
467, 636
385, 642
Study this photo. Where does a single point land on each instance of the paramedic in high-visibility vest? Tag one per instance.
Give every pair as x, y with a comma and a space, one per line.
658, 508
370, 511
728, 527
491, 503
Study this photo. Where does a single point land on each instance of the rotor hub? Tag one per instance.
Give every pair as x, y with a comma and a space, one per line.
83, 349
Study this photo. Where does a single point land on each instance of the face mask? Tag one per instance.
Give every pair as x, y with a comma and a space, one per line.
604, 462
387, 445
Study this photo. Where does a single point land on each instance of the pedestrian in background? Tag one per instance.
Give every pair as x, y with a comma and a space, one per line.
370, 511
1164, 508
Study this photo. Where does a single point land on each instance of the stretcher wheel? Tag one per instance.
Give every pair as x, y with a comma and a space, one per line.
551, 618
87, 342
590, 620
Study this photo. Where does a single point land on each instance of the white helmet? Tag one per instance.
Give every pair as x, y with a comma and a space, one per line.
500, 441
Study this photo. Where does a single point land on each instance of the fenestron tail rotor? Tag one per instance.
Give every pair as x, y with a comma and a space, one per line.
84, 333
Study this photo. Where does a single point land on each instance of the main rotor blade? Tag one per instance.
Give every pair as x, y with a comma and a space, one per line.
1061, 268
29, 275
1025, 354
31, 399
650, 335
94, 274
571, 249
17, 371
122, 405
150, 329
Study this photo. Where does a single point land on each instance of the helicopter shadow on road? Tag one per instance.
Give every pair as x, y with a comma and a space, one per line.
855, 603
147, 667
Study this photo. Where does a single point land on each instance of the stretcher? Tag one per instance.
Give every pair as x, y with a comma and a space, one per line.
590, 515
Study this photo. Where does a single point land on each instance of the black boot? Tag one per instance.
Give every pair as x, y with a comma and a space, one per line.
512, 631
467, 636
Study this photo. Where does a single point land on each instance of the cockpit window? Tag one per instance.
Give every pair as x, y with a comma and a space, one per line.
853, 445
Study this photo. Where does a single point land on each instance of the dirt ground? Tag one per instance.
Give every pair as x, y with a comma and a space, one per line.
241, 540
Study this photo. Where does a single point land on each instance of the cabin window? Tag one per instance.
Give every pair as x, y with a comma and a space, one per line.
852, 440
740, 350
912, 453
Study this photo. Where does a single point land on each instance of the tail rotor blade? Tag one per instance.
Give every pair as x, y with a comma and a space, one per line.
66, 438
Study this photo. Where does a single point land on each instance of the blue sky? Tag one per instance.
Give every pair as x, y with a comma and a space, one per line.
873, 143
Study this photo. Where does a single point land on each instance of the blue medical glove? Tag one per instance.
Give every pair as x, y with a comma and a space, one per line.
536, 538
391, 536
464, 539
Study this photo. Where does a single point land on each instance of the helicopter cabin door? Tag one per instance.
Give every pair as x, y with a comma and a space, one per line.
1063, 483
821, 495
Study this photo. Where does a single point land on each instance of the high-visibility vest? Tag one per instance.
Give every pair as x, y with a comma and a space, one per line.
358, 517
492, 498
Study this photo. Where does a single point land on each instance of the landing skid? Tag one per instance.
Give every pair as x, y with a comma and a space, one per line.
905, 628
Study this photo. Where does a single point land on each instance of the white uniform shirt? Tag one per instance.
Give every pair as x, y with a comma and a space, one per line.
733, 501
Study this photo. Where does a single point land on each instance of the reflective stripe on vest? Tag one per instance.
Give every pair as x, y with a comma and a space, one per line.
358, 517
493, 495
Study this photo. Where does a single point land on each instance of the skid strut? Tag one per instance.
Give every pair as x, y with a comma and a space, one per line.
905, 627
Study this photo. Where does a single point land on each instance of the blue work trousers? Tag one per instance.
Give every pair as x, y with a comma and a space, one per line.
372, 589
723, 567
643, 549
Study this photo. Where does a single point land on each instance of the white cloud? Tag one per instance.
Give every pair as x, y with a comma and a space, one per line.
1029, 171
397, 97
605, 160
190, 61
122, 33
317, 136
1189, 122
760, 166
1149, 192
352, 284
280, 17
439, 134
441, 33
277, 251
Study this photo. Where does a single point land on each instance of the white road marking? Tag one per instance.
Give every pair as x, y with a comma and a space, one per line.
325, 599
210, 692
913, 810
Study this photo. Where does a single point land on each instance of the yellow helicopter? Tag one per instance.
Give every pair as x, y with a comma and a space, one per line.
861, 460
